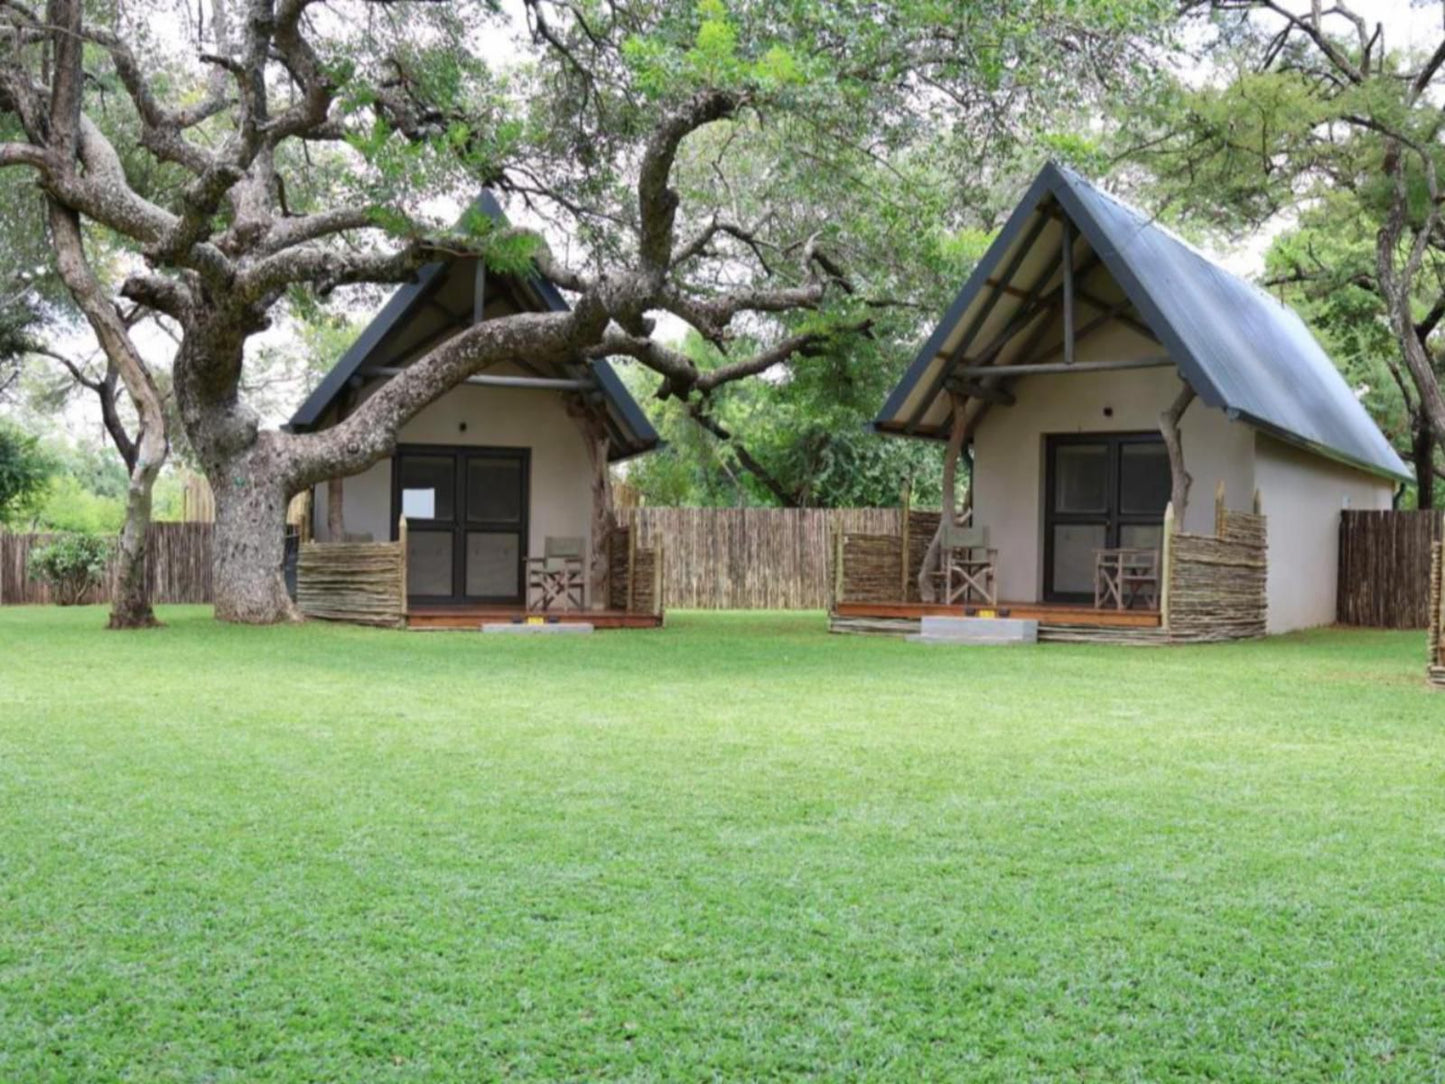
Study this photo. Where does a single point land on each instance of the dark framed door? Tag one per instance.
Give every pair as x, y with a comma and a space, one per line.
467, 511
1101, 491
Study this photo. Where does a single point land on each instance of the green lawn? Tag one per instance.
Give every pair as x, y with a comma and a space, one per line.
736, 848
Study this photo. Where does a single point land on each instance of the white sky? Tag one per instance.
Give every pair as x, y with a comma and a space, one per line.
1408, 23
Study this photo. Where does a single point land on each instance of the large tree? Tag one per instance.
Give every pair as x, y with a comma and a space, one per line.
1324, 112
295, 150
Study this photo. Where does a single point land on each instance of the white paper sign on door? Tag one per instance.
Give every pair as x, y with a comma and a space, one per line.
419, 503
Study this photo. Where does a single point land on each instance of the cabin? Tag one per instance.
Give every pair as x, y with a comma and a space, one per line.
1156, 449
497, 502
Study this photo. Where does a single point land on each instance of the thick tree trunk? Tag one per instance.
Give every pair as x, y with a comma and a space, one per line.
249, 546
1424, 456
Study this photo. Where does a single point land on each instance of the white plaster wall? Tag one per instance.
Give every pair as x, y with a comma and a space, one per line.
561, 489
1301, 495
1009, 449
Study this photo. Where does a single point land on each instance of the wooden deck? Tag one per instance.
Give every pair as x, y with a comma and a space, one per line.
472, 618
1058, 622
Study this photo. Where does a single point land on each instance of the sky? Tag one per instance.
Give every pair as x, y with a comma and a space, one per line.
1411, 23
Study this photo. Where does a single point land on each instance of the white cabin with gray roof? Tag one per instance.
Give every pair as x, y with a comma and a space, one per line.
1079, 328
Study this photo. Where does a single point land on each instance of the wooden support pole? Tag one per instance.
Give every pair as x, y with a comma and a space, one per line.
837, 566
1058, 368
658, 555
401, 544
1179, 479
1219, 509
1166, 569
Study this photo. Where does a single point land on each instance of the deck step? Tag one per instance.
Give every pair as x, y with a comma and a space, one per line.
523, 629
978, 631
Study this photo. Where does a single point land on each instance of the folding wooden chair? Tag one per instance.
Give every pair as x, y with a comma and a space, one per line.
969, 565
1123, 577
557, 579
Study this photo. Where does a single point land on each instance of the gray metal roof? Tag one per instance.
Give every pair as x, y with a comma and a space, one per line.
629, 431
1241, 350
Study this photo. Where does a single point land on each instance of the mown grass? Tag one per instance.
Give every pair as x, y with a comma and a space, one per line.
733, 849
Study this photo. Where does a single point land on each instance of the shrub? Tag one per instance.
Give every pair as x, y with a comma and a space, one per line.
71, 565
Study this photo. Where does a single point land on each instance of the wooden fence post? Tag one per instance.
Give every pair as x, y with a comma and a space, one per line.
657, 558
631, 562
401, 542
837, 566
1165, 562
903, 534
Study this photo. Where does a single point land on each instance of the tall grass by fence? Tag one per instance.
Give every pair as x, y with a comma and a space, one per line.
751, 558
178, 566
1384, 571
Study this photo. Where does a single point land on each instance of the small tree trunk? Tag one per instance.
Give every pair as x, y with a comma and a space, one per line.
250, 547
1179, 477
956, 436
130, 604
1424, 456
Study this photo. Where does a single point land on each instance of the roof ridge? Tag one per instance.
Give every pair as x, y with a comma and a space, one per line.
1155, 223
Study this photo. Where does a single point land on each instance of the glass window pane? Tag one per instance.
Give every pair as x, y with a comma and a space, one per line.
428, 562
494, 490
1081, 477
428, 481
1074, 546
493, 569
1143, 478
1141, 536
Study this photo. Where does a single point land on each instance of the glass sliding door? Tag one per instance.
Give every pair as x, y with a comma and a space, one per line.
466, 512
1101, 491
496, 542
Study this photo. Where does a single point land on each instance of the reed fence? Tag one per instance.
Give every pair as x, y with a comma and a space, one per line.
752, 558
178, 567
1384, 568
1215, 585
360, 582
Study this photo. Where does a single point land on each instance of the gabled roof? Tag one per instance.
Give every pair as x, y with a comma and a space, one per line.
1240, 349
629, 431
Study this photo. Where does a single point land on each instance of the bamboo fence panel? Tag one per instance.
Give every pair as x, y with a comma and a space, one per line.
360, 582
752, 558
1217, 583
1384, 568
635, 574
1435, 669
178, 567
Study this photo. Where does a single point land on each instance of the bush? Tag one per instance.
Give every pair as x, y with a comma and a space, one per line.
71, 566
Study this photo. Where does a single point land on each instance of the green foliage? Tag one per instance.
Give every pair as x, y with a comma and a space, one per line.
69, 505
807, 426
24, 472
71, 566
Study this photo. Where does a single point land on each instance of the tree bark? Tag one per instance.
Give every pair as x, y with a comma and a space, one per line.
249, 545
1179, 479
130, 606
956, 436
1424, 456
